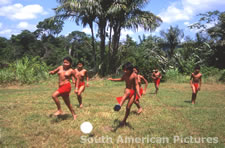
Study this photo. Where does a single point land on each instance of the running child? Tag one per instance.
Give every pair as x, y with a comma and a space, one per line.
141, 91
131, 80
80, 73
65, 72
156, 76
196, 82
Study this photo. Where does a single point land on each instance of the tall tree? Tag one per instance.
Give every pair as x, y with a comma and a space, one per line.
6, 51
25, 43
117, 14
128, 14
83, 12
48, 30
213, 23
80, 47
172, 38
49, 27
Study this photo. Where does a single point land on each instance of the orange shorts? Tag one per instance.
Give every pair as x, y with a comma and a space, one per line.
157, 82
65, 89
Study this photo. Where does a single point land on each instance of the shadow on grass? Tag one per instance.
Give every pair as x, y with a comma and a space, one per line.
118, 124
187, 101
78, 106
152, 93
60, 117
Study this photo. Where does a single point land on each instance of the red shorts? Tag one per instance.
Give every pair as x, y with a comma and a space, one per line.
65, 89
119, 99
157, 82
196, 86
141, 93
131, 93
81, 84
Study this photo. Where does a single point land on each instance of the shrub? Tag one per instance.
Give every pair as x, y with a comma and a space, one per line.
209, 71
25, 71
222, 77
175, 76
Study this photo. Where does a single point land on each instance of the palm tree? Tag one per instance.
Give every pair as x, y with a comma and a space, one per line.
87, 12
117, 14
88, 16
81, 12
128, 14
172, 37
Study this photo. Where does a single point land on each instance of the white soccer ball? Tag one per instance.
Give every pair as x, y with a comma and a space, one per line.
86, 127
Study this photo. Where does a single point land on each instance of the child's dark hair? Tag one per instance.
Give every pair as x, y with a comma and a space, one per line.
68, 59
136, 68
197, 67
128, 66
80, 62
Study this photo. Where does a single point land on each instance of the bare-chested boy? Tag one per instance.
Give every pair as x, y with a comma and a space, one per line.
131, 80
196, 82
65, 72
141, 91
156, 76
80, 73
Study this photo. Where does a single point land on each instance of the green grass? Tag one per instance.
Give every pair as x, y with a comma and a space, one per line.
26, 116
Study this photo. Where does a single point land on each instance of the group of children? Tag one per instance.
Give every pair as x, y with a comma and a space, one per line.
65, 73
132, 92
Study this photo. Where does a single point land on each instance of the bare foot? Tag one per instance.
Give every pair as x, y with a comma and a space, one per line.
74, 117
81, 106
59, 112
139, 110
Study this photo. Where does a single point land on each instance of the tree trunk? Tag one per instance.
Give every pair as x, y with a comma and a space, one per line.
93, 46
102, 31
70, 51
109, 50
115, 46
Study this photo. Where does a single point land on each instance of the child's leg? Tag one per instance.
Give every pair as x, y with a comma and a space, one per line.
157, 82
123, 99
156, 88
69, 105
137, 103
125, 96
55, 96
193, 98
129, 104
79, 97
194, 94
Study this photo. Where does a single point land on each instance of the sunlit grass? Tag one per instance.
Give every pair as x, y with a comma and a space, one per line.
26, 115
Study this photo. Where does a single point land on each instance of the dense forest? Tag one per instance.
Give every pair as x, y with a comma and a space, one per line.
26, 57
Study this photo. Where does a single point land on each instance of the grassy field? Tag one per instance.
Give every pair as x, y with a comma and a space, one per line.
26, 118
